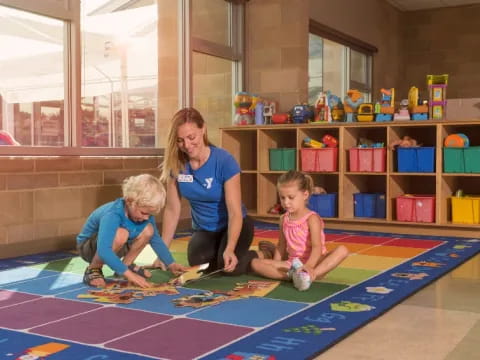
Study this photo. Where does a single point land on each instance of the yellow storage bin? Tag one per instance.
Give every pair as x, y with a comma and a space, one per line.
466, 210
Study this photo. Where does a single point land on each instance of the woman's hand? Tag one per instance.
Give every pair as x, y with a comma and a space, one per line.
230, 260
177, 269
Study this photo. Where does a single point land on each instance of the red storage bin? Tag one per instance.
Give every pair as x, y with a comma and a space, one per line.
367, 159
323, 159
416, 208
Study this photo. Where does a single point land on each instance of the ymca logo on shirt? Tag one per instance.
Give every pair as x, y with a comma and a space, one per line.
208, 183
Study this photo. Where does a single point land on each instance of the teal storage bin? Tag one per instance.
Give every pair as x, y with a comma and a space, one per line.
461, 160
283, 159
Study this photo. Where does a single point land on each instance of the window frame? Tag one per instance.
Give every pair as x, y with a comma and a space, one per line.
350, 43
70, 14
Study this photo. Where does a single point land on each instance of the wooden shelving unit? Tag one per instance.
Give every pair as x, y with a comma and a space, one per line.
250, 146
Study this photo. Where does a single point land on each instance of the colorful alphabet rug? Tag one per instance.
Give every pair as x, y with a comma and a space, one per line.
46, 312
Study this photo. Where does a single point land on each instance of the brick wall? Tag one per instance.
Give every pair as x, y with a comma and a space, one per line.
45, 201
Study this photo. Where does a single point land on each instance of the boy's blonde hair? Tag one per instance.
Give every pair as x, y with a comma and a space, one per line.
144, 190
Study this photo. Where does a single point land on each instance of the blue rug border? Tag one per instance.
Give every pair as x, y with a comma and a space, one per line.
274, 343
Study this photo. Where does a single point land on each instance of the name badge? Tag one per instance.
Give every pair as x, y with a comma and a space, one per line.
185, 178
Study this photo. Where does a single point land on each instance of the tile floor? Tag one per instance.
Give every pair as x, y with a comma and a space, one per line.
442, 321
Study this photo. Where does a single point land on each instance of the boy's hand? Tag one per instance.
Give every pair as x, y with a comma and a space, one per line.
177, 269
136, 279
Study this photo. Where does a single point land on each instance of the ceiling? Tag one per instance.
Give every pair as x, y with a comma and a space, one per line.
412, 5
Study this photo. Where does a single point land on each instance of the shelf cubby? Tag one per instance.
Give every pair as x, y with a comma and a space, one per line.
243, 146
353, 184
274, 138
469, 185
411, 185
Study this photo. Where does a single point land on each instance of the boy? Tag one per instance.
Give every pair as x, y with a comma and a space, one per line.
121, 229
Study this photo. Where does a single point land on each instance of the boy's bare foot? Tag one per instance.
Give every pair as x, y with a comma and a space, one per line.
267, 249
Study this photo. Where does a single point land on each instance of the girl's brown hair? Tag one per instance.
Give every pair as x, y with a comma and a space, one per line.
303, 181
174, 160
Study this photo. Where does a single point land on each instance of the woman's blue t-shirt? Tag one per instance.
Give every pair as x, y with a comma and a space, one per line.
204, 189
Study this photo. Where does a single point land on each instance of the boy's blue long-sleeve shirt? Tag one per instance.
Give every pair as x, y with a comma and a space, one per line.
104, 222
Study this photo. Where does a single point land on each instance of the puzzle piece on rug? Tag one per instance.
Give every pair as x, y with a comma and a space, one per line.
257, 288
122, 292
42, 351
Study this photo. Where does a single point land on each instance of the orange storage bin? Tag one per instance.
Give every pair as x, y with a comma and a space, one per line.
323, 159
367, 159
416, 208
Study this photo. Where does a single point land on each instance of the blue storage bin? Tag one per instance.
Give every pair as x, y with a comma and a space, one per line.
371, 205
419, 159
324, 205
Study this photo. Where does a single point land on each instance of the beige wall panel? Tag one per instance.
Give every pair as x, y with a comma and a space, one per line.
16, 207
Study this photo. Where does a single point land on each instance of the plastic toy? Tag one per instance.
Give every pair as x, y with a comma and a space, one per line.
269, 108
322, 110
302, 114
281, 118
352, 101
365, 112
330, 141
437, 89
243, 103
418, 108
335, 105
403, 113
385, 110
457, 140
310, 143
406, 141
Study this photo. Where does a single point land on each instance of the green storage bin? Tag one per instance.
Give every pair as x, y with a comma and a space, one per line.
283, 159
453, 160
461, 160
472, 159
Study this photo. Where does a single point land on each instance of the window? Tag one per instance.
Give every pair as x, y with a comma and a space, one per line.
32, 78
119, 73
104, 77
337, 63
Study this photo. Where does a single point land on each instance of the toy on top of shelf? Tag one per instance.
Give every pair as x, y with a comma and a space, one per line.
302, 113
437, 89
457, 140
243, 101
336, 107
269, 108
322, 110
403, 113
365, 112
352, 101
418, 108
281, 118
259, 119
384, 111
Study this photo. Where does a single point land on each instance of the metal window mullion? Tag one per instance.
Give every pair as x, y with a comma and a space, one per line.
346, 70
184, 54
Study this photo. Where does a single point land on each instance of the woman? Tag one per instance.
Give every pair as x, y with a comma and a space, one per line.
209, 178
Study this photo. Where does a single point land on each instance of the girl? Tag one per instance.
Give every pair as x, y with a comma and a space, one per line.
301, 254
